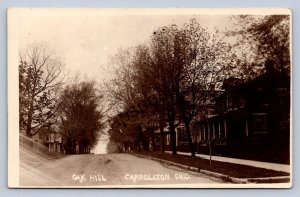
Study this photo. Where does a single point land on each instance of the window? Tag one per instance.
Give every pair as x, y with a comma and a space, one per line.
259, 123
221, 132
202, 133
242, 101
221, 129
182, 136
47, 137
168, 139
229, 102
52, 137
245, 126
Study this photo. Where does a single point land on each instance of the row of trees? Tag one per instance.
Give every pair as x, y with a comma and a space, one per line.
48, 102
166, 82
170, 81
81, 116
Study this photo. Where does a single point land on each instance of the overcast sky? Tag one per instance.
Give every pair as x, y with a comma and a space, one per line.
86, 40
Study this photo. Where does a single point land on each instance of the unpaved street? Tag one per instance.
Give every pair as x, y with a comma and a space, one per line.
106, 170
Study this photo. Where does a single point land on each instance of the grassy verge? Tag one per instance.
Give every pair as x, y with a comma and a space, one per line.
233, 170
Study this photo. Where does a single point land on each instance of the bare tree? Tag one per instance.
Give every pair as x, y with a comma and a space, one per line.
40, 77
121, 89
131, 92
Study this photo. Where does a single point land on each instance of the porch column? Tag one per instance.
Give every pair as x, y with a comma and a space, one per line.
219, 130
247, 131
214, 131
204, 136
225, 128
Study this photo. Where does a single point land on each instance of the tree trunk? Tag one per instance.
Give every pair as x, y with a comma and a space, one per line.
29, 122
173, 142
171, 119
144, 141
173, 137
162, 137
153, 139
30, 112
68, 146
191, 144
138, 140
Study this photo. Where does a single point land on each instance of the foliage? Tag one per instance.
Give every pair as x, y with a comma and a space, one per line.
172, 79
193, 60
262, 38
81, 116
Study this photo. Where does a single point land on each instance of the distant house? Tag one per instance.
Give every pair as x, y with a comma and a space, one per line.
34, 143
179, 132
182, 142
42, 141
181, 138
53, 140
252, 119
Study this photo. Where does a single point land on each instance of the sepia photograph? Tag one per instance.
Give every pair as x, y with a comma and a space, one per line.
149, 98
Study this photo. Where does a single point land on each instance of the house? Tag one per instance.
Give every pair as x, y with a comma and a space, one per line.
251, 119
53, 140
42, 141
182, 140
33, 143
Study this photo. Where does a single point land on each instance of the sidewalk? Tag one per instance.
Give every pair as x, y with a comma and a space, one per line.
259, 164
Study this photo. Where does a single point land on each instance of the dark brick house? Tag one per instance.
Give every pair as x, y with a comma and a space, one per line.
251, 121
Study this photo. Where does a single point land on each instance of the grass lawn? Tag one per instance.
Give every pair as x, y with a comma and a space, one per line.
230, 169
